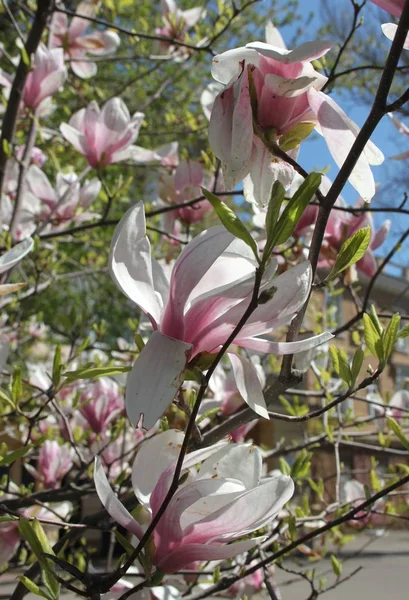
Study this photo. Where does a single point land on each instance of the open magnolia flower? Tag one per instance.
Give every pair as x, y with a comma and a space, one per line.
176, 23
209, 290
222, 501
77, 44
289, 106
103, 136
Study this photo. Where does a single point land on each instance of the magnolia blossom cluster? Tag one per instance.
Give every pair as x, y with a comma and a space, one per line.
280, 90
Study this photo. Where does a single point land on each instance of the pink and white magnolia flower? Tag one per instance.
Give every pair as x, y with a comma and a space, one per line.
224, 500
209, 290
399, 405
104, 136
77, 44
176, 23
67, 202
184, 185
100, 403
46, 76
354, 492
54, 462
289, 105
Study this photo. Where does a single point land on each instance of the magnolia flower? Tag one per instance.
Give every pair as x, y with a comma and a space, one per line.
104, 136
100, 403
354, 492
224, 500
289, 105
61, 204
395, 7
76, 44
46, 76
184, 185
209, 290
177, 22
399, 405
53, 464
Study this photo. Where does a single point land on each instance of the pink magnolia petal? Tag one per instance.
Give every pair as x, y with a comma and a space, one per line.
193, 15
189, 553
394, 7
40, 186
84, 69
367, 265
248, 384
150, 390
75, 137
113, 506
273, 36
252, 510
381, 235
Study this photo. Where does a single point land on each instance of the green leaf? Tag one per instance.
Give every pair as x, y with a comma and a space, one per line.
295, 208
16, 386
397, 430
273, 212
390, 336
351, 251
372, 337
39, 543
357, 364
336, 565
127, 546
34, 588
375, 319
341, 364
231, 221
286, 404
8, 459
207, 415
25, 57
293, 138
95, 372
6, 148
404, 332
57, 366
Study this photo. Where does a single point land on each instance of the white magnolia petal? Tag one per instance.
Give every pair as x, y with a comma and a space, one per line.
113, 506
155, 378
17, 253
389, 30
339, 136
282, 348
130, 263
306, 52
152, 459
248, 384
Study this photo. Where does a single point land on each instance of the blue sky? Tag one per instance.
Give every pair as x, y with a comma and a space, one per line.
314, 153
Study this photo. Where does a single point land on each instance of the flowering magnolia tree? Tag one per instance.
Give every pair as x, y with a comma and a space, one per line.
168, 306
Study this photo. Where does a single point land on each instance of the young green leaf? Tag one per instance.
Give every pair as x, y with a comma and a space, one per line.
57, 366
273, 212
373, 339
404, 332
390, 336
95, 372
34, 588
231, 221
397, 430
351, 251
295, 208
336, 565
